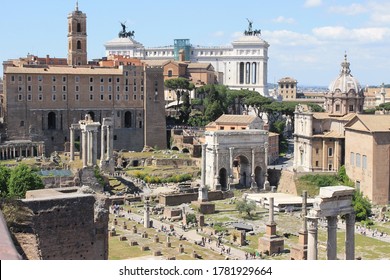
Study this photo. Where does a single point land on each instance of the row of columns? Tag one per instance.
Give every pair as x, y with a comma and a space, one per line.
14, 151
312, 251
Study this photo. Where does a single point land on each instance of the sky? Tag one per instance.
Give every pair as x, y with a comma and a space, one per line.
308, 38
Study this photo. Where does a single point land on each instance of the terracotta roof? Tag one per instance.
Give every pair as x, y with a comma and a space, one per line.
322, 116
235, 119
64, 70
330, 134
374, 123
199, 65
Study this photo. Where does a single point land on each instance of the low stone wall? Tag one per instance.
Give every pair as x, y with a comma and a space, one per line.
177, 199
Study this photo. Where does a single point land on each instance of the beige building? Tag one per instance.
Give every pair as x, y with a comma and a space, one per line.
374, 96
40, 101
319, 138
367, 155
287, 88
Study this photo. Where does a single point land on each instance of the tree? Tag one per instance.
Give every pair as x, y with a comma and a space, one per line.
246, 206
258, 103
4, 176
362, 206
22, 179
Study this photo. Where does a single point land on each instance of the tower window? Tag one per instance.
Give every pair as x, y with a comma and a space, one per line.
79, 45
78, 27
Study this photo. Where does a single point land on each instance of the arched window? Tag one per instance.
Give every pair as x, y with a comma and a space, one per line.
242, 72
128, 118
51, 120
79, 45
169, 73
78, 27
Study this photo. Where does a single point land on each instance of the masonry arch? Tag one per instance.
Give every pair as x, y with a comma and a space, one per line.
241, 171
223, 179
185, 150
51, 120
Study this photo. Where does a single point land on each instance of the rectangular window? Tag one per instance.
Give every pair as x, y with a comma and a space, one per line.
12, 79
110, 80
316, 151
101, 80
142, 97
91, 79
20, 88
63, 88
64, 79
77, 79
91, 97
77, 97
330, 152
64, 97
53, 78
53, 88
29, 88
109, 88
126, 88
40, 88
77, 89
135, 89
126, 97
118, 89
358, 163
126, 73
118, 80
316, 163
364, 162
118, 97
101, 97
40, 97
90, 88
352, 159
53, 97
40, 78
101, 88
135, 97
109, 97
29, 78
222, 128
20, 78
29, 97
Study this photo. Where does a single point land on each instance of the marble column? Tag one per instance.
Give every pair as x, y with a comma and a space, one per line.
324, 154
266, 145
350, 237
32, 151
253, 182
89, 147
202, 192
71, 147
108, 143
14, 156
94, 147
312, 250
84, 147
146, 215
331, 245
102, 144
271, 220
231, 149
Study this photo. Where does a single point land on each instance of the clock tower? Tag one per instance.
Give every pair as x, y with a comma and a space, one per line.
77, 37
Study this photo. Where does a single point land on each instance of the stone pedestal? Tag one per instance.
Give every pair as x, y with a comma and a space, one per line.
201, 222
271, 242
181, 249
205, 207
299, 251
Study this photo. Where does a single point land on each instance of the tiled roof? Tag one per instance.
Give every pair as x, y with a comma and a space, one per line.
235, 119
64, 70
375, 123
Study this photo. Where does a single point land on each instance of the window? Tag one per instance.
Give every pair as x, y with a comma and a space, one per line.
77, 79
118, 97
29, 88
20, 88
330, 152
64, 97
110, 80
364, 162
118, 80
29, 97
101, 80
351, 108
357, 185
20, 78
109, 97
352, 159
78, 45
29, 78
77, 88
101, 97
135, 88
169, 73
101, 88
126, 97
53, 97
77, 97
40, 97
222, 128
54, 88
317, 151
64, 79
20, 97
118, 89
135, 97
12, 79
358, 160
91, 79
316, 163
91, 97
53, 78
64, 88
40, 78
109, 88
337, 108
21, 123
90, 88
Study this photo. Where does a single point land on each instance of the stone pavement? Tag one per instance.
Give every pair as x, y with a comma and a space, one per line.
192, 236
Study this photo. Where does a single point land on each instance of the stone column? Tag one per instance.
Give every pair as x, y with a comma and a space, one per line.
350, 237
271, 220
253, 182
84, 147
231, 149
331, 245
71, 148
108, 143
336, 163
32, 151
266, 145
14, 153
94, 148
312, 251
146, 215
323, 155
202, 192
102, 144
89, 147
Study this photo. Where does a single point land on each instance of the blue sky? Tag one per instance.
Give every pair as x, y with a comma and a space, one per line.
308, 38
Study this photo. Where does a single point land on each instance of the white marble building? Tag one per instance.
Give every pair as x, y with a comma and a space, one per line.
243, 64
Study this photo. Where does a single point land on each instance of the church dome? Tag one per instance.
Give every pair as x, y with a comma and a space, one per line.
345, 82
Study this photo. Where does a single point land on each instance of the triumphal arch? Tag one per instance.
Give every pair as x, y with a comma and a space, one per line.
236, 158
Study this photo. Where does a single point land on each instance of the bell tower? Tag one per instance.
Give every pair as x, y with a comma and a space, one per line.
77, 37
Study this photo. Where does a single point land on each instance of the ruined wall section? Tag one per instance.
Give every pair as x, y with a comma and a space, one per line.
72, 226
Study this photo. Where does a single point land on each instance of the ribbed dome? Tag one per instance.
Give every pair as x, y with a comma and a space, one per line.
345, 82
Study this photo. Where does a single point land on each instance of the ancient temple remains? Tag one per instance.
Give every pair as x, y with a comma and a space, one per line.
332, 202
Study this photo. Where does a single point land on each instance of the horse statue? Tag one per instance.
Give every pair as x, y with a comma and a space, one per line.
124, 33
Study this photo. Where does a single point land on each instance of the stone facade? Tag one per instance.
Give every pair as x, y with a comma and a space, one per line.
287, 88
44, 100
238, 157
367, 158
69, 226
244, 64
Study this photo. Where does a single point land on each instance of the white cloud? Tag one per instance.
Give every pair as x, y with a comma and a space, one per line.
289, 38
356, 35
351, 10
380, 12
218, 34
282, 19
312, 3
